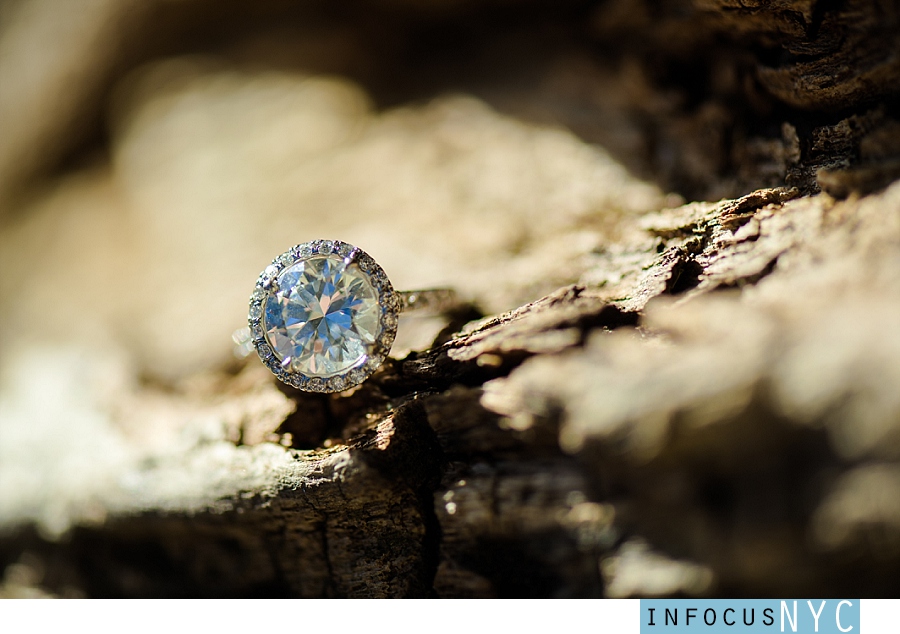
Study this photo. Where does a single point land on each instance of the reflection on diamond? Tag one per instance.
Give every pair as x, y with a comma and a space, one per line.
324, 318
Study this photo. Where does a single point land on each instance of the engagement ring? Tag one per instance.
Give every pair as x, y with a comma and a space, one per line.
323, 315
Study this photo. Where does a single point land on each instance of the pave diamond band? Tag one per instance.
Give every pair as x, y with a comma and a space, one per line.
323, 315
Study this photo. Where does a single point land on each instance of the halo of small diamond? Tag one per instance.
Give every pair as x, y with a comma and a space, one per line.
388, 300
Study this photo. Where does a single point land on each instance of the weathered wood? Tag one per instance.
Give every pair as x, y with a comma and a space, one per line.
647, 397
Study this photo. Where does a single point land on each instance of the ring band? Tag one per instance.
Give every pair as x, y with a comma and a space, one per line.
432, 300
323, 315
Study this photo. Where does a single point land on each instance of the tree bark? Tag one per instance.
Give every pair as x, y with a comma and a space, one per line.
705, 405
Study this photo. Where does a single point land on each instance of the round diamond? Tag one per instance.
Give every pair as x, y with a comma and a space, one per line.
325, 317
264, 352
296, 380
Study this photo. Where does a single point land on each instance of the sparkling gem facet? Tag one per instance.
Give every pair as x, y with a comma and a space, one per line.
324, 318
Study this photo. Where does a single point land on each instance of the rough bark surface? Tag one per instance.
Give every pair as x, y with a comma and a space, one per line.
678, 224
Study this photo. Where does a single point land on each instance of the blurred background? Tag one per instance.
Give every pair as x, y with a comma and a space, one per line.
156, 155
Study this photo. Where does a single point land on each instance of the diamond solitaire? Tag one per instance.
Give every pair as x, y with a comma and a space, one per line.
323, 316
